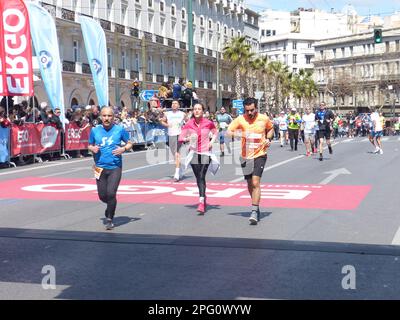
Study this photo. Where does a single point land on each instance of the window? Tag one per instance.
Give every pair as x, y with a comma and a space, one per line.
274, 32
123, 59
387, 46
309, 45
109, 6
232, 32
351, 51
262, 33
294, 70
322, 54
124, 9
218, 27
225, 30
138, 16
173, 67
202, 21
173, 30
268, 33
295, 58
334, 53
173, 10
150, 3
162, 26
109, 57
162, 66
209, 24
343, 52
162, 5
308, 59
183, 14
294, 45
151, 26
150, 65
76, 50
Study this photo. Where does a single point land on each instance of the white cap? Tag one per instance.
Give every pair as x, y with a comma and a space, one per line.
88, 107
293, 109
43, 104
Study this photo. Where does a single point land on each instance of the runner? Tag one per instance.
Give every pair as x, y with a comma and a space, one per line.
223, 120
201, 133
257, 132
105, 144
283, 135
294, 120
324, 117
309, 130
174, 120
377, 132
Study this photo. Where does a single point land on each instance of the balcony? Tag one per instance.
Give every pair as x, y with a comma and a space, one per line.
149, 77
209, 85
201, 50
171, 43
160, 39
86, 68
182, 45
201, 84
209, 52
171, 79
50, 8
134, 75
118, 28
160, 78
67, 14
134, 32
121, 73
390, 77
106, 25
148, 36
68, 66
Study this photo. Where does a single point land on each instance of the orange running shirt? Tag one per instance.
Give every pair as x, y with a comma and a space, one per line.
253, 134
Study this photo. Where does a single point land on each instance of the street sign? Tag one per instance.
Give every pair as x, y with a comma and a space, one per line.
238, 105
146, 95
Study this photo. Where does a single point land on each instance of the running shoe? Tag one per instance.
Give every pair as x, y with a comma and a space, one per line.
320, 157
176, 177
222, 154
201, 209
380, 151
254, 217
330, 150
109, 225
308, 154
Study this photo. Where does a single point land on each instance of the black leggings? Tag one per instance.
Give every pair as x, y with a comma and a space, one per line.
107, 187
294, 135
200, 164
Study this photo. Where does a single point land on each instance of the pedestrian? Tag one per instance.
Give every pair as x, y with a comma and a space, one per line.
201, 134
257, 132
309, 130
174, 120
283, 126
105, 144
377, 131
324, 118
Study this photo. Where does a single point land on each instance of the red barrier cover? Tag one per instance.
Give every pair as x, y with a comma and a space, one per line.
76, 138
33, 138
15, 50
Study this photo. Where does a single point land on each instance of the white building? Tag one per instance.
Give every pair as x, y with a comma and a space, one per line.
147, 39
289, 36
354, 73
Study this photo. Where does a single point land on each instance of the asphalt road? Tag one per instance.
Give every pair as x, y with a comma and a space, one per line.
319, 220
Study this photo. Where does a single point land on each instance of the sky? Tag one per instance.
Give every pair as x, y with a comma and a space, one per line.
363, 7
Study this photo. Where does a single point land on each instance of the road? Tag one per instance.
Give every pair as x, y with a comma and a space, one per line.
319, 220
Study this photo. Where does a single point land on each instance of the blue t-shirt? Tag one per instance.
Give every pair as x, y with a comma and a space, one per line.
108, 141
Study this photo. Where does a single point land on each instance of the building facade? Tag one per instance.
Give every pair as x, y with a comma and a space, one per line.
354, 73
148, 40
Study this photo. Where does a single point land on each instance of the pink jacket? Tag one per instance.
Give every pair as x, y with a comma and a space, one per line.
200, 133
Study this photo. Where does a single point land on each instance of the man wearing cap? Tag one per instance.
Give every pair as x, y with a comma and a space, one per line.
294, 120
282, 122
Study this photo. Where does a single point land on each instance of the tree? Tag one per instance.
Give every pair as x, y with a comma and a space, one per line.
237, 52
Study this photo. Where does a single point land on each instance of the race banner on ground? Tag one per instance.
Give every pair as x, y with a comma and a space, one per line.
76, 138
33, 138
96, 50
45, 41
15, 50
4, 141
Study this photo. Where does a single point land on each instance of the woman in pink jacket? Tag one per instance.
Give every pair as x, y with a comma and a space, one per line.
201, 134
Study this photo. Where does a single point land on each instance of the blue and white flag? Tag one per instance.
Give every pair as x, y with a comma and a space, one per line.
96, 50
4, 141
45, 42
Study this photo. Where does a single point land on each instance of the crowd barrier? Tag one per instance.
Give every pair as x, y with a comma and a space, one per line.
39, 139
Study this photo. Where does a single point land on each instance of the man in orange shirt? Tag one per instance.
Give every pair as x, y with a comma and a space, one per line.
256, 131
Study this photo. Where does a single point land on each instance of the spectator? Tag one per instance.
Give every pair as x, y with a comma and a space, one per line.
164, 93
177, 90
4, 121
187, 95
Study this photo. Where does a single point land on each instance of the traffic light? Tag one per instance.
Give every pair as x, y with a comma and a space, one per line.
135, 89
378, 35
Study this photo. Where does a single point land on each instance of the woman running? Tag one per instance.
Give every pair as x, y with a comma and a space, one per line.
201, 134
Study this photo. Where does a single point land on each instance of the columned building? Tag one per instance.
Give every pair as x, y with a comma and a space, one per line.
354, 73
148, 40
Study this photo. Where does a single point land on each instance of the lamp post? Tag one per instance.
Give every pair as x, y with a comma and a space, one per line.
189, 8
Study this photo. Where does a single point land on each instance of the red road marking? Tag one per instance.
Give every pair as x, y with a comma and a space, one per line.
326, 197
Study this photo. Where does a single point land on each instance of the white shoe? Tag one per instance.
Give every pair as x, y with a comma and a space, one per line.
176, 177
380, 151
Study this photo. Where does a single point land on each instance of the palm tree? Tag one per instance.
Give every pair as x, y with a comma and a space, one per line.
237, 51
304, 87
281, 83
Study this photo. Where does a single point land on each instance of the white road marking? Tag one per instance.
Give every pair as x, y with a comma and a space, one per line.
396, 239
148, 166
65, 172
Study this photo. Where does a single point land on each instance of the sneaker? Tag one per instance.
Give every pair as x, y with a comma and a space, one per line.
281, 145
380, 151
176, 177
222, 154
320, 157
254, 217
315, 150
308, 154
109, 225
201, 209
330, 150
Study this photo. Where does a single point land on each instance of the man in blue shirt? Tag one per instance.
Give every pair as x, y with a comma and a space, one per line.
324, 118
105, 144
224, 120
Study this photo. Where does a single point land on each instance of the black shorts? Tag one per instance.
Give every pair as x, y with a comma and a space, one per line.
324, 134
253, 167
174, 144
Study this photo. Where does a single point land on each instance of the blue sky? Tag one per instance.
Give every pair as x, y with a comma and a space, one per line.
363, 7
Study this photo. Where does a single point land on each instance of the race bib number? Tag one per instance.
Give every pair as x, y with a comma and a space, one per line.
97, 172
